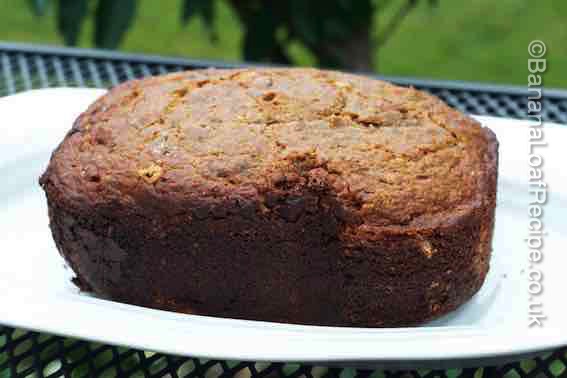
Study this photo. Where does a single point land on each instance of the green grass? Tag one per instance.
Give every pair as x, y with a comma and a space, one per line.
476, 40
480, 40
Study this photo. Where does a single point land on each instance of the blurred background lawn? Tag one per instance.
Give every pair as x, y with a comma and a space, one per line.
475, 40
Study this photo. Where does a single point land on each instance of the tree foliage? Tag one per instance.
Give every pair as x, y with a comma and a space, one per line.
337, 32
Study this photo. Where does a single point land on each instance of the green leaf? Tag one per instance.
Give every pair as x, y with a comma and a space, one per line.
353, 16
202, 8
112, 20
305, 26
39, 7
190, 8
70, 17
335, 29
260, 36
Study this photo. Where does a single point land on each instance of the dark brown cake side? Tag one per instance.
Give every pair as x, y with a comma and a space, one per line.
298, 196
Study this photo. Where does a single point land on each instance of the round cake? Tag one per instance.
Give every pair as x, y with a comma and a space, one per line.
288, 195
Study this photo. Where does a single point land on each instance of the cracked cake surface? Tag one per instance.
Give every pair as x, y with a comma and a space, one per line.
356, 182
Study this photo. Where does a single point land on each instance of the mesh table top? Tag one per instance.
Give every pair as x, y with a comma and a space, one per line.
32, 354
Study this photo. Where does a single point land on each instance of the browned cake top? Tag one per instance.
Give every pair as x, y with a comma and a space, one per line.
393, 155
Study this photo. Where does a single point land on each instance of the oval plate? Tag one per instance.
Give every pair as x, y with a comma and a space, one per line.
36, 292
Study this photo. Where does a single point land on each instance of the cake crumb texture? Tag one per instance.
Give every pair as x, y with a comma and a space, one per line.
291, 195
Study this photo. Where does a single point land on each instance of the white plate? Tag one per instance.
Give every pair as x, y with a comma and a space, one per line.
36, 292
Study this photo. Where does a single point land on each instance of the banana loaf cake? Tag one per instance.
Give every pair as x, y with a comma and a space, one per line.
289, 195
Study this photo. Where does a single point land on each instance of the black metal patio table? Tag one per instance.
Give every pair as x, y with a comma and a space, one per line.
31, 354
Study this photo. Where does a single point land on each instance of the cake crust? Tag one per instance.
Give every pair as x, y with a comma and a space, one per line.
292, 195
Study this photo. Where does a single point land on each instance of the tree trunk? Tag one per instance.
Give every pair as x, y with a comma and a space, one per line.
356, 53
